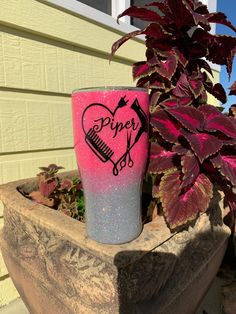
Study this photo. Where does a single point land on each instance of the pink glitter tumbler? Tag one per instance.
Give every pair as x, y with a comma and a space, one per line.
111, 145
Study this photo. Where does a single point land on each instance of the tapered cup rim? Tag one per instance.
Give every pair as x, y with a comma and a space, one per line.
109, 88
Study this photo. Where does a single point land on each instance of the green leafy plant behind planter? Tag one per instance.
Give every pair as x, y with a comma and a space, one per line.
193, 145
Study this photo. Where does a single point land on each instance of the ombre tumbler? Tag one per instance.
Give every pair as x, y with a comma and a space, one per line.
111, 144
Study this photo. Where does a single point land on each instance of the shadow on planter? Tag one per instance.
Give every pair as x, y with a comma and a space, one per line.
157, 282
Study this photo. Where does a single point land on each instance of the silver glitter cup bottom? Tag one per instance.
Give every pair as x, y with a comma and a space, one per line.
114, 217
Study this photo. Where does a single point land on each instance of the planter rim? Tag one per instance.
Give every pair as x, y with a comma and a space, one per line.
153, 235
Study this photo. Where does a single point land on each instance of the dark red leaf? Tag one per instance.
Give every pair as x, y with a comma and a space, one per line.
46, 187
143, 82
141, 69
208, 167
203, 145
180, 150
162, 6
153, 61
189, 117
173, 102
182, 87
190, 169
182, 13
170, 102
203, 97
228, 142
216, 121
221, 123
229, 62
160, 159
141, 13
181, 57
167, 128
182, 206
168, 65
204, 65
233, 89
156, 186
156, 31
221, 48
196, 87
54, 167
209, 111
227, 166
197, 50
51, 169
157, 85
184, 101
198, 11
225, 139
66, 184
154, 100
207, 81
220, 18
122, 40
218, 92
160, 45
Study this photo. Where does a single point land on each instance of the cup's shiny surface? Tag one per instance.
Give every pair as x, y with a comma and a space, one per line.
111, 145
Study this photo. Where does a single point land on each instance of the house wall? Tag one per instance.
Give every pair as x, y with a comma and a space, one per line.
45, 53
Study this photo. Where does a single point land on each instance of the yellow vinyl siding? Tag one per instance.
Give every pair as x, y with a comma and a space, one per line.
46, 53
8, 291
32, 63
32, 122
3, 269
50, 22
26, 163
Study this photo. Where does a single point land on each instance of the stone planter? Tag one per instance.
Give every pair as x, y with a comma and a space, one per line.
58, 269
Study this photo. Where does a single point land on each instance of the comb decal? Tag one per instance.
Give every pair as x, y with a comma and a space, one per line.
111, 135
98, 146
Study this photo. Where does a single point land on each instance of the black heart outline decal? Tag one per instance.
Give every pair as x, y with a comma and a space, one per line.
102, 150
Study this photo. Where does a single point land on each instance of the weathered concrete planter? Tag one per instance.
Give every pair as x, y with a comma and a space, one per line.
58, 269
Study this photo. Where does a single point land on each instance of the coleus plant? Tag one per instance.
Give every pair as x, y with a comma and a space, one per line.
193, 144
64, 195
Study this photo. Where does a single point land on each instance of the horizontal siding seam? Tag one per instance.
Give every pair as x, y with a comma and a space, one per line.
34, 91
104, 53
36, 151
4, 277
